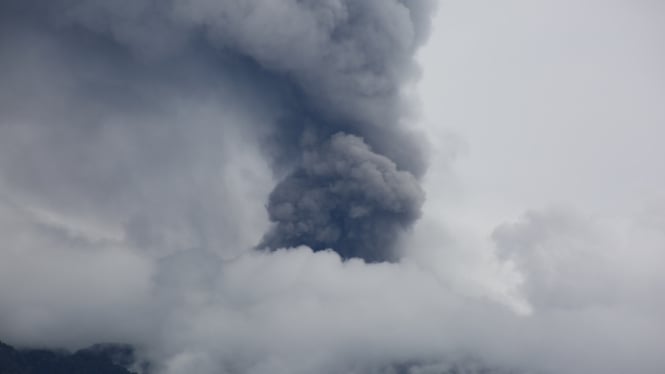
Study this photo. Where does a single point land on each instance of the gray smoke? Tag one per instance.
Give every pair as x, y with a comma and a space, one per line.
342, 67
329, 67
344, 196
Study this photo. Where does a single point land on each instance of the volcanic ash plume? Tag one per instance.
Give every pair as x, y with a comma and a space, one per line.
332, 74
353, 183
344, 196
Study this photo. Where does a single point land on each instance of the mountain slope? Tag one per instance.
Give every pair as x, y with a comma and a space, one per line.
98, 359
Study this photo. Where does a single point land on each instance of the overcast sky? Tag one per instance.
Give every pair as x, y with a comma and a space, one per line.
550, 102
146, 150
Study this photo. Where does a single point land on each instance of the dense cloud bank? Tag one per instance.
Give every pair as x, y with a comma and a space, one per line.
299, 311
141, 143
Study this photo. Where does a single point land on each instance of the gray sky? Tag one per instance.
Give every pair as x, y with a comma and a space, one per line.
551, 102
548, 118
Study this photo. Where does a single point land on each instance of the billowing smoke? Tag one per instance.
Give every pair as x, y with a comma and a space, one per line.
342, 67
344, 196
159, 127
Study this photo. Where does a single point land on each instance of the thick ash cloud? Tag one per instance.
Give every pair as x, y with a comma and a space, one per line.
346, 197
327, 67
344, 63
